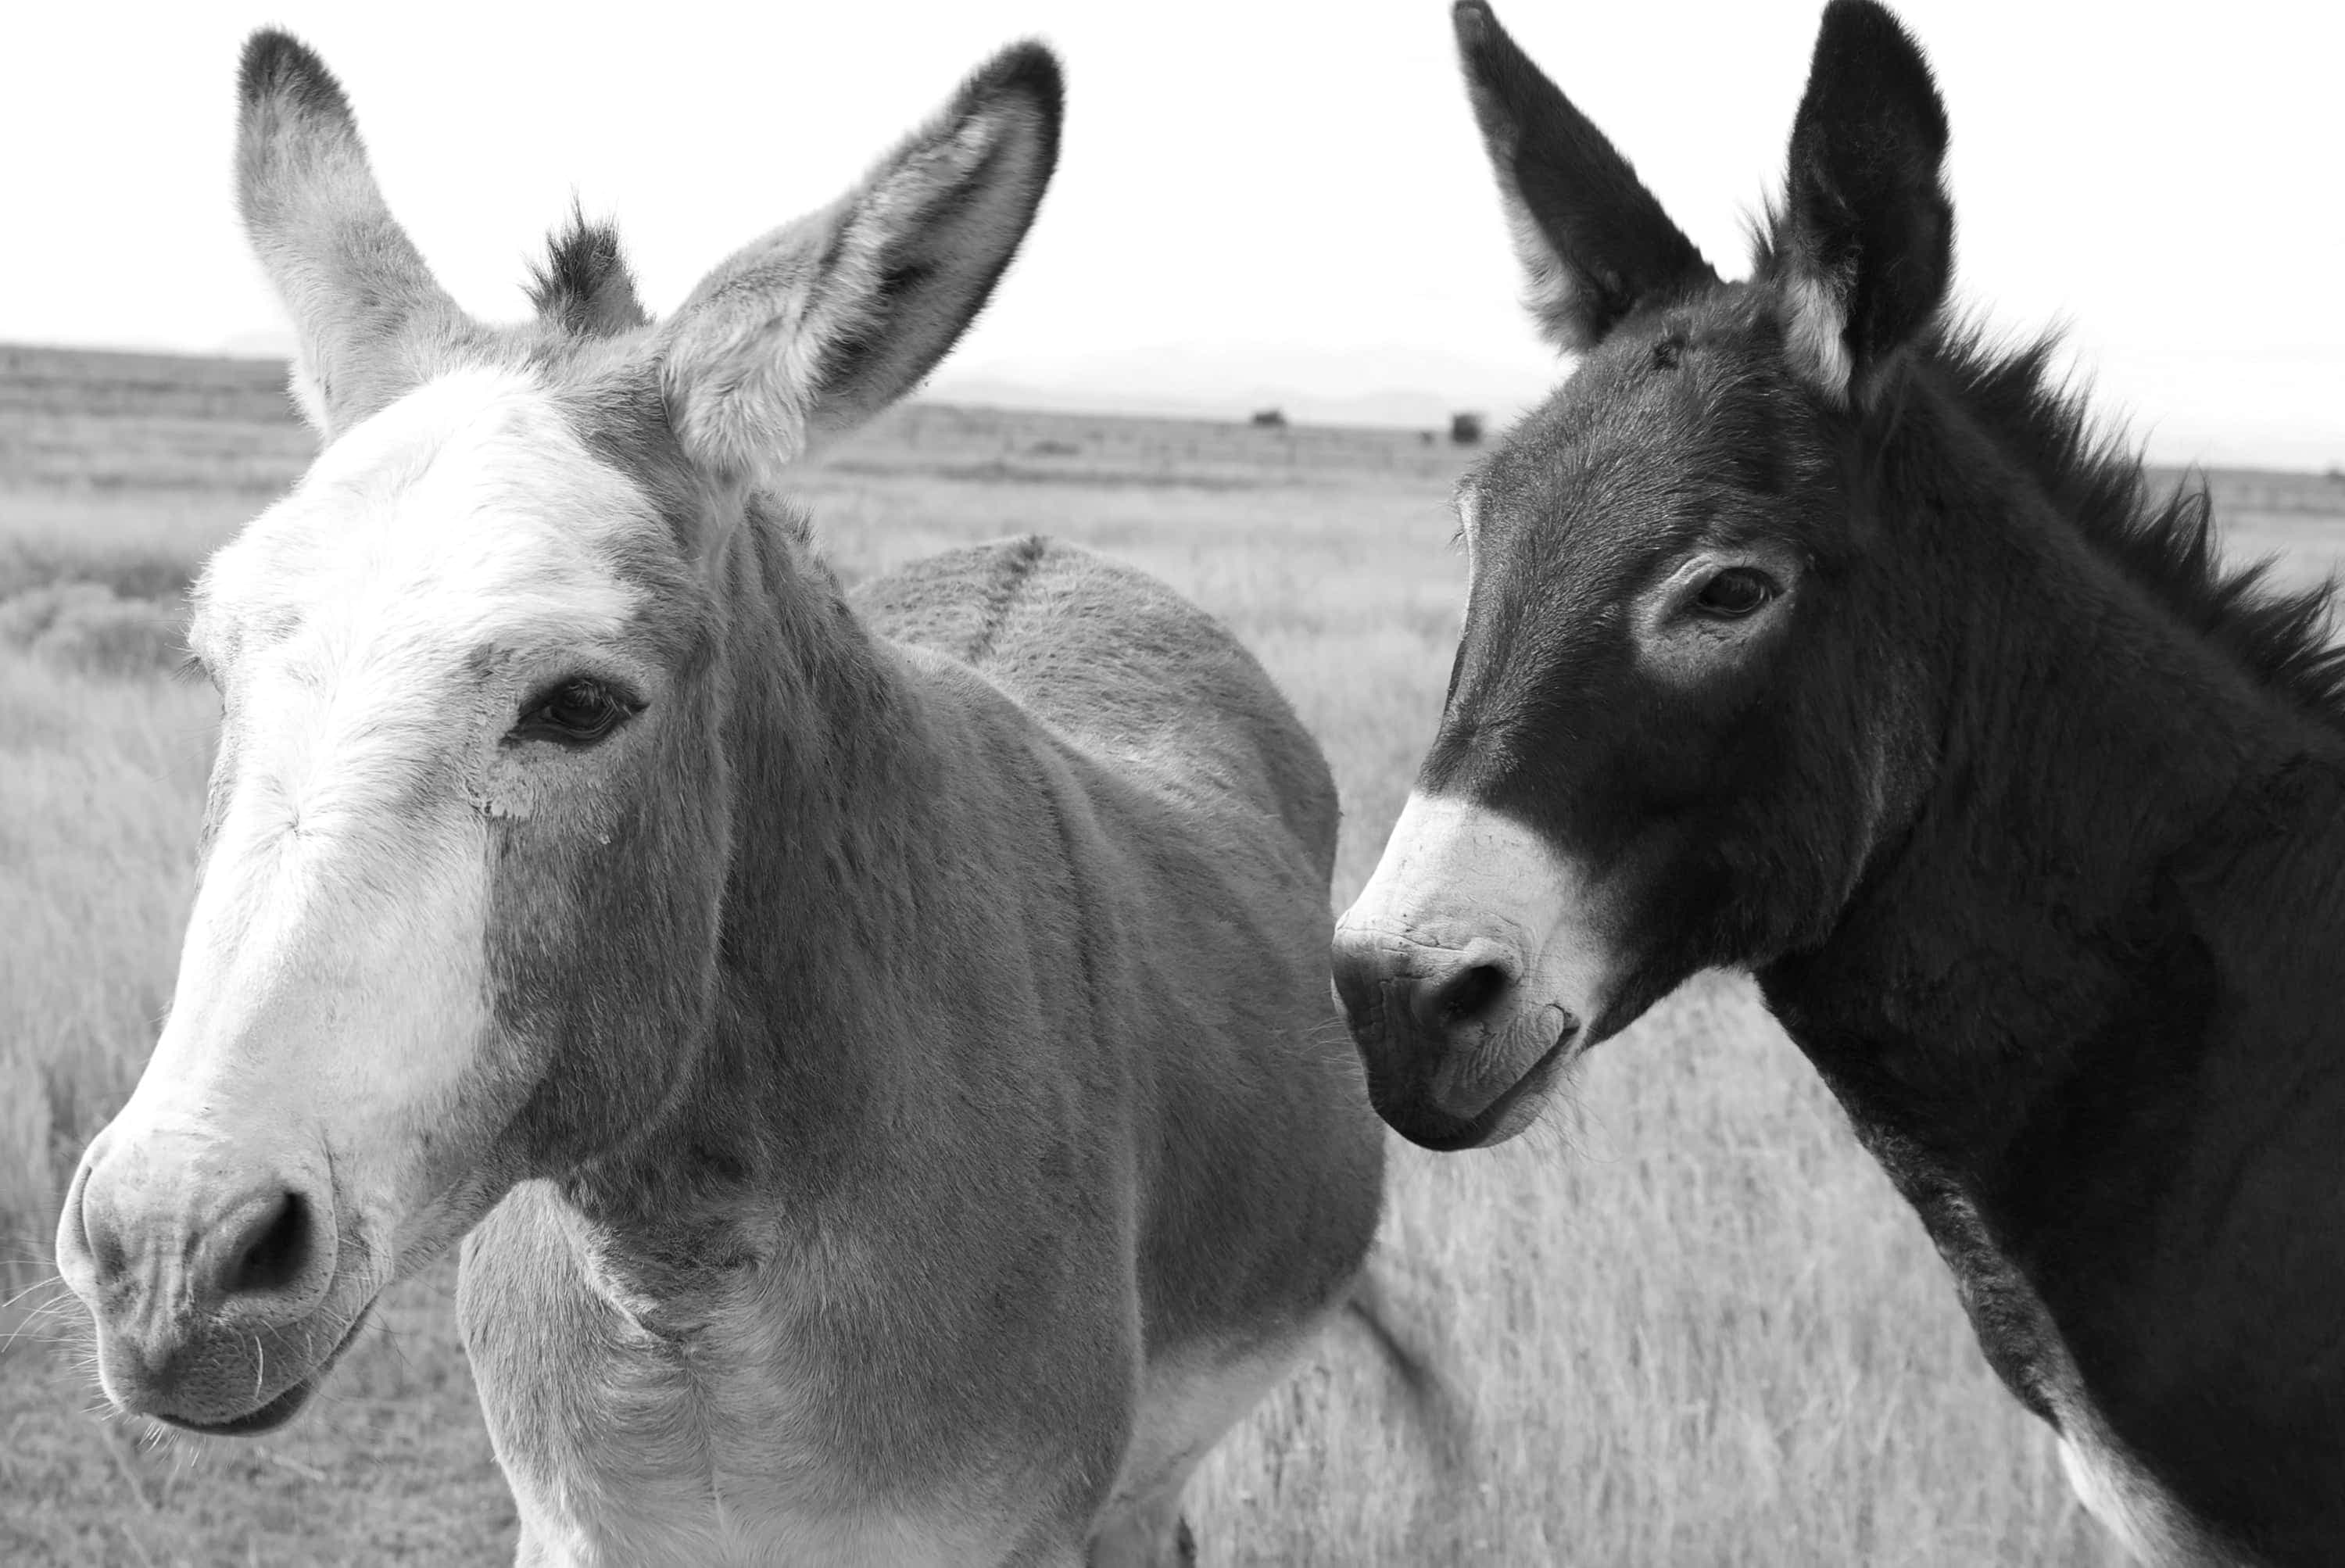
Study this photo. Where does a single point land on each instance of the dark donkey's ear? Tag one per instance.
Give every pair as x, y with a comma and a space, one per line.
1594, 244
361, 297
1864, 245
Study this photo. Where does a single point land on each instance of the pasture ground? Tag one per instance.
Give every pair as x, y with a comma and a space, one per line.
1689, 1323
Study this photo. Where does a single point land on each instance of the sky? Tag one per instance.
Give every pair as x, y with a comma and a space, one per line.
1257, 200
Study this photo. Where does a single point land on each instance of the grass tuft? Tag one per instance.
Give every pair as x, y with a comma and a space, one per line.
88, 629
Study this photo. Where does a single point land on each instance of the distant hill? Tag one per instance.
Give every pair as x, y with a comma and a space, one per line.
224, 418
58, 381
1396, 409
1386, 385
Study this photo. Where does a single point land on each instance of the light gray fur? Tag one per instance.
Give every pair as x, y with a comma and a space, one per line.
910, 1124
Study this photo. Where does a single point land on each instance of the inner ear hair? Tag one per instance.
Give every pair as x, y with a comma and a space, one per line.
942, 222
1816, 333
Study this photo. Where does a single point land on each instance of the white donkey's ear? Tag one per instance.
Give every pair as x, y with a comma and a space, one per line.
812, 330
368, 312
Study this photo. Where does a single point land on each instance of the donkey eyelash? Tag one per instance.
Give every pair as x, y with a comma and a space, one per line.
1462, 536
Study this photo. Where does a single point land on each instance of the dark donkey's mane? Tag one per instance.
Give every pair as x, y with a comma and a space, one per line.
2165, 543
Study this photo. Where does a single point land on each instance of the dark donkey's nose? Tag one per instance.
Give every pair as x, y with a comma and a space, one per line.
1399, 992
1422, 1015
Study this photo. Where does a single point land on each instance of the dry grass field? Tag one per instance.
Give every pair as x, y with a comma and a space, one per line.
1691, 1324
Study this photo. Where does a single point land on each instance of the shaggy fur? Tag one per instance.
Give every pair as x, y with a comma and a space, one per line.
878, 1048
1827, 643
2165, 543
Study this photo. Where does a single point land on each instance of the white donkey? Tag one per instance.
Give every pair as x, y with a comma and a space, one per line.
881, 1051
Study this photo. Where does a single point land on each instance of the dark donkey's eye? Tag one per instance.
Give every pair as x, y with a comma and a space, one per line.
1734, 593
579, 711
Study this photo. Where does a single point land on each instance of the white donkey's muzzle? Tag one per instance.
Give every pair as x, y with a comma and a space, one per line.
207, 1267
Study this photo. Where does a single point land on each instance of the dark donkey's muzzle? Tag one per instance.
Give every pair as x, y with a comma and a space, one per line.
1437, 1034
1467, 969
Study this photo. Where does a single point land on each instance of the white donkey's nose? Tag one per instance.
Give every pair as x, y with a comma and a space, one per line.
175, 1239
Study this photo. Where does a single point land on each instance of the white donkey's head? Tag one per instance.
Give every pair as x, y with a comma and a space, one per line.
464, 851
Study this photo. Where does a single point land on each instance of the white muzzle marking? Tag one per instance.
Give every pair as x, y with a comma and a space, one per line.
1455, 872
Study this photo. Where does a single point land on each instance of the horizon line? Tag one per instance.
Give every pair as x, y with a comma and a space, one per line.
1013, 395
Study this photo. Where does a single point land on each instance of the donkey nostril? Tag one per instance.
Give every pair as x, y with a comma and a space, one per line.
277, 1254
1469, 994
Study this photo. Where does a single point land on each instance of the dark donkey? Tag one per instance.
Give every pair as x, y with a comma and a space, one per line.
1808, 635
879, 1048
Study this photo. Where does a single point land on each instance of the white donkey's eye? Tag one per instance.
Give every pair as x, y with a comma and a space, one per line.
576, 711
191, 667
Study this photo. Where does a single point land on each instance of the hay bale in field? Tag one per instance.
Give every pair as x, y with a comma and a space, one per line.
89, 628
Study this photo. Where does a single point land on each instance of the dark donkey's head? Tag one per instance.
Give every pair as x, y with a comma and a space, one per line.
1673, 736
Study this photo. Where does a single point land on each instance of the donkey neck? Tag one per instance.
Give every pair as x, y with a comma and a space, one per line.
2083, 1010
2092, 758
852, 851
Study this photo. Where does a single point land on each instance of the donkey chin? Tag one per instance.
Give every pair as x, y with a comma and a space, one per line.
222, 1294
1468, 1086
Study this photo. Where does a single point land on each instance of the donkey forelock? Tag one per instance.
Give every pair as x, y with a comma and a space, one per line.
583, 285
